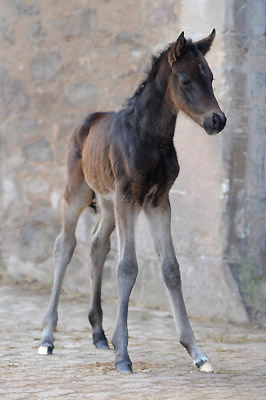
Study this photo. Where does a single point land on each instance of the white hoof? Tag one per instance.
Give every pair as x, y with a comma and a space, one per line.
206, 367
45, 350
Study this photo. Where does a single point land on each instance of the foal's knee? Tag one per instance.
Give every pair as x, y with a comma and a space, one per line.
171, 274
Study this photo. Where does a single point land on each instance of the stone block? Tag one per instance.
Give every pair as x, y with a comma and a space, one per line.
13, 95
125, 37
38, 151
9, 192
36, 33
79, 23
44, 66
28, 125
39, 187
21, 7
7, 30
80, 94
159, 13
44, 102
34, 242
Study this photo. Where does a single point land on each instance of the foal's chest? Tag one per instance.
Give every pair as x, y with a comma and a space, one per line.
154, 175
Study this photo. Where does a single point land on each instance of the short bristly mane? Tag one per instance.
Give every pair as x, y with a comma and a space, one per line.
152, 70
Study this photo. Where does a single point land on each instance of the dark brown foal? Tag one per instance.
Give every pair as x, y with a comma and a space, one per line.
128, 159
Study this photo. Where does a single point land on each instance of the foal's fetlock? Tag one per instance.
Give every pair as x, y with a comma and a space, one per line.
124, 367
200, 360
123, 363
98, 335
46, 346
100, 340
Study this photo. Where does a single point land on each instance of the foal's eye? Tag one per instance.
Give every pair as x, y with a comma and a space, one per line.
185, 82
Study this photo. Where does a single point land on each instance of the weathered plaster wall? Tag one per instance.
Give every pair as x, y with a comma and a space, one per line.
62, 59
245, 150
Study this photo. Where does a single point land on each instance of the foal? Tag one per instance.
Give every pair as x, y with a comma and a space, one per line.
128, 159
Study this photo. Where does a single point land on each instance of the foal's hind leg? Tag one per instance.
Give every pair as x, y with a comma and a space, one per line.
64, 247
160, 225
99, 250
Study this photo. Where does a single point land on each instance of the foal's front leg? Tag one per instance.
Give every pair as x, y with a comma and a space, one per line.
126, 215
160, 225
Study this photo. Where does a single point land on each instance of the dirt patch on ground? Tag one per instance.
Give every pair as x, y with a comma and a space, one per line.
162, 369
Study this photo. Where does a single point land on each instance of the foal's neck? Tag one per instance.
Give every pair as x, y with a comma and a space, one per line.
155, 113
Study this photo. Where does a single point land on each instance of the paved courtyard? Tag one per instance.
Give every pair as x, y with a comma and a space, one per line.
162, 369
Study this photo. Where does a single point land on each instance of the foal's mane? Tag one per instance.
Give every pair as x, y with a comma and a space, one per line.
152, 70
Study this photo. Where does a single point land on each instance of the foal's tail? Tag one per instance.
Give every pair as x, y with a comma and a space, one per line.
93, 204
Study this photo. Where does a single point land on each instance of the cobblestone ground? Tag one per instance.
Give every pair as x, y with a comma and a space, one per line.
162, 368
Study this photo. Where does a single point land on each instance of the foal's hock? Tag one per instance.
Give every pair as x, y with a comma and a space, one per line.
128, 160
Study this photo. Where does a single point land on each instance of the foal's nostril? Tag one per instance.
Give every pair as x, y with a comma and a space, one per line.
216, 121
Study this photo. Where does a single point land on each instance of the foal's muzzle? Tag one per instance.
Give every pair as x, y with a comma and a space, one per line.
215, 123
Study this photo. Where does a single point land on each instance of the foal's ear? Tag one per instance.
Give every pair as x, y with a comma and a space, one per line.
176, 49
204, 45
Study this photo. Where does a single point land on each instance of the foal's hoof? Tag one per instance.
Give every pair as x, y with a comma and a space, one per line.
102, 344
124, 368
204, 365
45, 350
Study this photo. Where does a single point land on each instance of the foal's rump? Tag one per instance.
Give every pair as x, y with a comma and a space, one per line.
95, 153
88, 155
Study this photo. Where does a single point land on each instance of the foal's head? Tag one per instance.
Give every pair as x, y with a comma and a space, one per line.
190, 85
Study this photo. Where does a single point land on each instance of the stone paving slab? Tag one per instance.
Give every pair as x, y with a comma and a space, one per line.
162, 369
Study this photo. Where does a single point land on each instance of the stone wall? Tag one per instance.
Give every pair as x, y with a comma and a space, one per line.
63, 59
